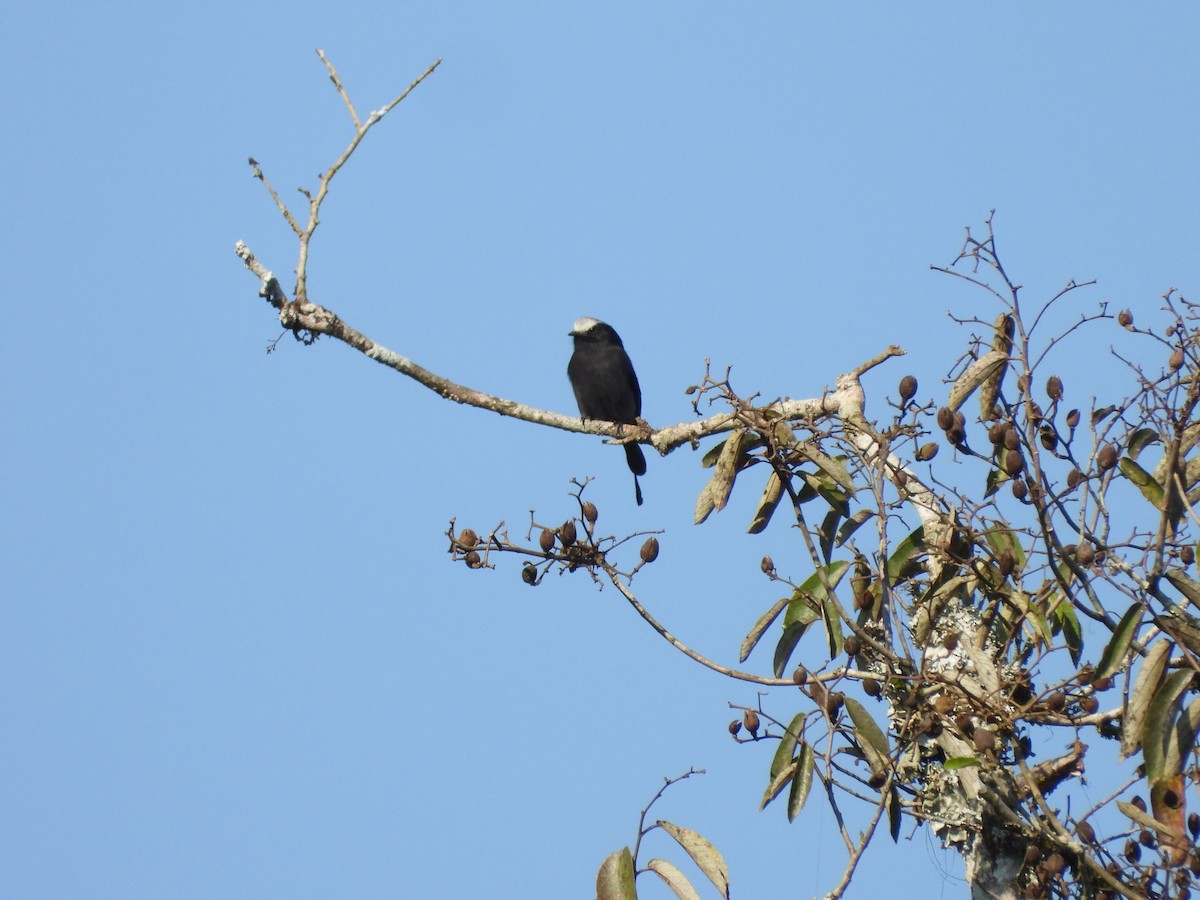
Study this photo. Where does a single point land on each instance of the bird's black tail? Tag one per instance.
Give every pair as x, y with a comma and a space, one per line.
637, 465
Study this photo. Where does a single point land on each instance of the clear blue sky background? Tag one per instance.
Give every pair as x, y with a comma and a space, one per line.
235, 659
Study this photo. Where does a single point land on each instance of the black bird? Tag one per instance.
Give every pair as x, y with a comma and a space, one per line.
606, 387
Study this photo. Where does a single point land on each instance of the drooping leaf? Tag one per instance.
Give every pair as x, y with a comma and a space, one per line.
614, 881
902, 563
828, 530
833, 626
675, 879
767, 504
1160, 721
764, 622
1182, 739
801, 780
1144, 688
1145, 482
866, 726
834, 468
786, 750
1139, 440
853, 523
1066, 621
1185, 585
894, 814
787, 644
1113, 657
703, 854
779, 780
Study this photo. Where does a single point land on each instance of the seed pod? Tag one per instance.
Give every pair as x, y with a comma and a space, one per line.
1089, 705
467, 539
1125, 319
529, 574
965, 724
472, 560
1013, 462
1073, 478
1145, 838
1006, 563
1012, 439
833, 703
956, 436
1194, 825
1035, 412
927, 452
852, 645
1132, 851
1107, 457
950, 641
1085, 554
908, 388
649, 551
1054, 387
863, 601
566, 533
996, 433
873, 688
734, 727
1054, 864
945, 418
1049, 438
1176, 359
1072, 418
1085, 832
800, 675
1019, 490
750, 720
590, 512
767, 565
901, 478
1187, 555
1056, 701
546, 540
984, 740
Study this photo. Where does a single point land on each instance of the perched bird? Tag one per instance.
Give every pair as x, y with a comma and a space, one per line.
606, 387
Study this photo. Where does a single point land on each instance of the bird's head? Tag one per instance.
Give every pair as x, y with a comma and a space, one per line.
583, 325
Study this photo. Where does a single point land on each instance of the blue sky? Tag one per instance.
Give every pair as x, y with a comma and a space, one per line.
236, 659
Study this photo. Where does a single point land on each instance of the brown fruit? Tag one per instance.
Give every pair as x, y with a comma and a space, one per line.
1085, 832
1006, 563
1145, 838
1089, 705
1056, 701
529, 574
546, 540
1132, 851
950, 641
750, 720
800, 675
996, 433
1073, 418
1013, 462
1023, 383
590, 512
767, 565
956, 436
1187, 554
873, 688
1107, 457
1194, 825
984, 740
1085, 554
1176, 359
1048, 438
1054, 864
467, 539
945, 418
1054, 387
1019, 489
1012, 439
649, 552
833, 703
472, 559
1073, 478
852, 645
1125, 319
908, 388
566, 533
927, 452
734, 727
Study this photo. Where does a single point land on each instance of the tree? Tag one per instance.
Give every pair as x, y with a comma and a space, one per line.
982, 592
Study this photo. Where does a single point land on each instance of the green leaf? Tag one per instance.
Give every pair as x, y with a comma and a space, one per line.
960, 762
835, 469
801, 781
900, 563
1185, 585
833, 626
1000, 539
787, 744
1068, 623
894, 814
767, 504
1182, 738
614, 881
1159, 722
1113, 657
703, 854
787, 643
1146, 685
828, 530
1141, 439
764, 622
1145, 482
852, 525
778, 782
867, 726
675, 879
